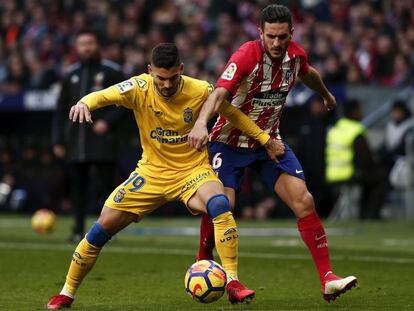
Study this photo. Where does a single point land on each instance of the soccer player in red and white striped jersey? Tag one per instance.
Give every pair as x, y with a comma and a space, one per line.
259, 76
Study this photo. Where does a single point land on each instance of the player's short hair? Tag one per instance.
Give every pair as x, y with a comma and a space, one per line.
165, 55
276, 13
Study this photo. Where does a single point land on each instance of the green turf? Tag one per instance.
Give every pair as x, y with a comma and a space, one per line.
146, 272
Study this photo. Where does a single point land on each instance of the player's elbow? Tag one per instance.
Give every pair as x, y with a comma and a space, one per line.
219, 96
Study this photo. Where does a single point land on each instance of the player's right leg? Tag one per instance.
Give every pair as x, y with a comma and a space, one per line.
86, 253
210, 199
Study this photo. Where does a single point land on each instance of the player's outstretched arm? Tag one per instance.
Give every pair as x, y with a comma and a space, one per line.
314, 81
274, 146
198, 136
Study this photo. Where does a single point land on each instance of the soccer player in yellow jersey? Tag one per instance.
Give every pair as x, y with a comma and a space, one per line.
166, 105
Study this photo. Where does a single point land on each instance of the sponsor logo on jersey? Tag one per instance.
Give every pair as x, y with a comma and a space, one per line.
141, 83
188, 115
119, 195
288, 75
228, 74
125, 86
270, 99
167, 136
189, 184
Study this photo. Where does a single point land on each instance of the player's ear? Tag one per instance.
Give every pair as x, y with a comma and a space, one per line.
181, 68
260, 33
149, 69
291, 32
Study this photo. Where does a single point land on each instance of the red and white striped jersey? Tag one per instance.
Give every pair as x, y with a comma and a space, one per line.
259, 87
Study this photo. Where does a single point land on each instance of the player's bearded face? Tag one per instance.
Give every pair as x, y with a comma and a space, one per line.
276, 38
166, 81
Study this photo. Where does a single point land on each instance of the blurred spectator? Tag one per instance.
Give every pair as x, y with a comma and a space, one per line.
396, 131
90, 149
384, 60
402, 71
8, 173
349, 161
311, 152
17, 76
344, 38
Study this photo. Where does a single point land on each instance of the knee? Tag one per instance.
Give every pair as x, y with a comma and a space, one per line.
97, 235
304, 205
217, 205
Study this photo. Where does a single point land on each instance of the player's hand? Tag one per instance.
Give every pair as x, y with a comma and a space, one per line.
100, 127
80, 112
329, 101
198, 136
275, 148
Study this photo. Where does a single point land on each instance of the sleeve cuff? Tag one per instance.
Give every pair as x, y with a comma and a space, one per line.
263, 138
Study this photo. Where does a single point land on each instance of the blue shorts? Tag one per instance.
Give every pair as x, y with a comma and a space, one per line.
229, 164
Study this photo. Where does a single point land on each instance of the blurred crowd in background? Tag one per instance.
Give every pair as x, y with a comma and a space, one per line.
368, 42
350, 42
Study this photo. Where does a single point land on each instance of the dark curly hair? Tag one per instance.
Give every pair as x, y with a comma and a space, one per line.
275, 13
165, 55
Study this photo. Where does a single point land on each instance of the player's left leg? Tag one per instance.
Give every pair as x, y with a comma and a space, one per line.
293, 191
86, 253
210, 199
207, 242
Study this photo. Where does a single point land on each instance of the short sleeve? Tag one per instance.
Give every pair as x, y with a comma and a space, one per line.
240, 65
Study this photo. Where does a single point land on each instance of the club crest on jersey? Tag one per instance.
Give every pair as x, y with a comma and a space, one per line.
119, 195
288, 75
228, 74
125, 86
188, 115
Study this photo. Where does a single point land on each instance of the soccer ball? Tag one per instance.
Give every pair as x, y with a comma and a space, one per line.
43, 221
205, 281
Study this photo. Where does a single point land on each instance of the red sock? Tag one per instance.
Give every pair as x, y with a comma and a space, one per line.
206, 238
313, 234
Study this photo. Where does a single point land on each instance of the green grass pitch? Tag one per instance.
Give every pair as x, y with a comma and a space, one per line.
144, 267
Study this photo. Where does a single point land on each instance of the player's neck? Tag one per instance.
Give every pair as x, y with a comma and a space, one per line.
277, 60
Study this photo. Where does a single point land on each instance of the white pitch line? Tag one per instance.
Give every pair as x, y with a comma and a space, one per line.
185, 252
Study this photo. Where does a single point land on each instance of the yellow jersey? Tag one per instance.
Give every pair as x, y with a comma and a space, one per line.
164, 124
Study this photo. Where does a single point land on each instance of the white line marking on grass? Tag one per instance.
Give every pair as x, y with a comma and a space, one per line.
255, 232
398, 242
186, 252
